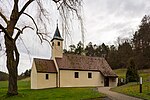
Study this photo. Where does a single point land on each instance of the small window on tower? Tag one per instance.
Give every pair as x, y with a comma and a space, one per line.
52, 43
58, 43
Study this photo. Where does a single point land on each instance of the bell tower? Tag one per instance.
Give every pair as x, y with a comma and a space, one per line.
57, 44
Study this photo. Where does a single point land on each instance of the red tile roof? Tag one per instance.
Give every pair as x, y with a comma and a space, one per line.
45, 65
78, 62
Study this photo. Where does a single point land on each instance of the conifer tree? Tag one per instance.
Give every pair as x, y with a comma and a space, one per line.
132, 73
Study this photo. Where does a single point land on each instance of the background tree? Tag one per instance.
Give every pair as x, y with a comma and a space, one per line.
10, 23
25, 74
98, 50
105, 50
80, 48
124, 53
113, 57
141, 43
89, 50
72, 48
118, 56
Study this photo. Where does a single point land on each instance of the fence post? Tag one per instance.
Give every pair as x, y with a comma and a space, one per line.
140, 84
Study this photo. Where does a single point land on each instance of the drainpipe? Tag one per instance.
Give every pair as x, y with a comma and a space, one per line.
56, 79
59, 77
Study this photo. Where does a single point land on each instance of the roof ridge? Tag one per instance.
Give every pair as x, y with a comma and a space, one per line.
84, 56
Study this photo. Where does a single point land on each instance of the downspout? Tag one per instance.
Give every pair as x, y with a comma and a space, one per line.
57, 72
59, 78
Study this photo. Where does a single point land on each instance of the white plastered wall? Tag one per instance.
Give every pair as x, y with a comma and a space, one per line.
42, 82
67, 79
113, 82
33, 76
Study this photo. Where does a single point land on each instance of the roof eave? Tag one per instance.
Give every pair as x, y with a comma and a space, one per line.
78, 69
57, 39
45, 72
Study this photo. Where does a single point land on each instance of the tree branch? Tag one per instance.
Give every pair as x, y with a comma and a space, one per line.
25, 6
26, 48
21, 31
40, 35
32, 20
16, 4
4, 18
56, 1
6, 33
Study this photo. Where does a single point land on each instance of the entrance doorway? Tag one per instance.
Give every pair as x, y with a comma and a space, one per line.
106, 81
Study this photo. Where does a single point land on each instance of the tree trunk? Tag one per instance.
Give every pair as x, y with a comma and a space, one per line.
12, 85
12, 63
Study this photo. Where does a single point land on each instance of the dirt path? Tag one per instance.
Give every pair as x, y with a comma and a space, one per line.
115, 95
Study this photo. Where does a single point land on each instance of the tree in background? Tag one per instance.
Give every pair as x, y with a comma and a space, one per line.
12, 30
141, 44
80, 48
25, 74
118, 56
72, 48
98, 50
124, 53
132, 73
89, 50
113, 57
105, 51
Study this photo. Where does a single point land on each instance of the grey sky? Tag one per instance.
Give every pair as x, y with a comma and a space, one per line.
108, 19
104, 20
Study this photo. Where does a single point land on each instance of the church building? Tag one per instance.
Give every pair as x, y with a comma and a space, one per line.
70, 70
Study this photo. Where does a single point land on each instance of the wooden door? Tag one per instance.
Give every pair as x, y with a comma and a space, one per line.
106, 81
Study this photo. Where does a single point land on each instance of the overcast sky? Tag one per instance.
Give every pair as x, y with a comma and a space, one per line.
104, 22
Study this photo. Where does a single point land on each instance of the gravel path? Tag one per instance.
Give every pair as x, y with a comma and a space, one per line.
115, 95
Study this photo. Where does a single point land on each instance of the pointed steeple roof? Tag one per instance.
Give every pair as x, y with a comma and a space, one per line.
57, 35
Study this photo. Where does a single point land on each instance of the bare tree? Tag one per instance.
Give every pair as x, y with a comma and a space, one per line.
12, 32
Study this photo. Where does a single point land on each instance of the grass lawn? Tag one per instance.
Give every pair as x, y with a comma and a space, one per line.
133, 88
143, 73
121, 72
25, 93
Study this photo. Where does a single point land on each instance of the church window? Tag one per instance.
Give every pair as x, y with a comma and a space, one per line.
89, 75
76, 74
46, 77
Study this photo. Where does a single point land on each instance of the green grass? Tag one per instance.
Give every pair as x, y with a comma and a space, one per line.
145, 74
132, 89
25, 93
121, 72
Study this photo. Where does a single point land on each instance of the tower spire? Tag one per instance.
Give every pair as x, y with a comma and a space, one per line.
57, 44
57, 35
